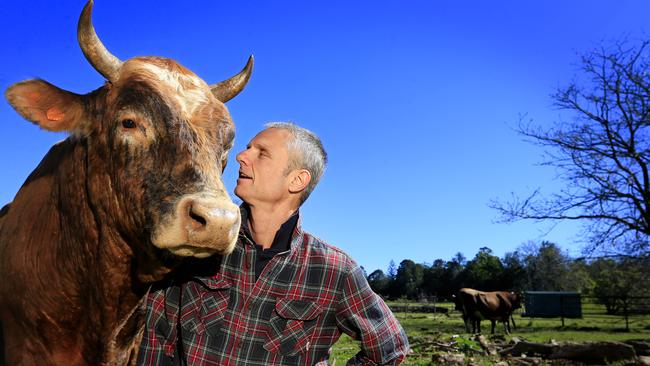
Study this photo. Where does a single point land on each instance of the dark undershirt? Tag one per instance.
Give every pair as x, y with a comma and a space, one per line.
281, 242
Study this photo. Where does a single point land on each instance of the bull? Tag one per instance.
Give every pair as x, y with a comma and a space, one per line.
494, 306
134, 189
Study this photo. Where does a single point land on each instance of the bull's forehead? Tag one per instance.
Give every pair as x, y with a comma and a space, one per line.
186, 90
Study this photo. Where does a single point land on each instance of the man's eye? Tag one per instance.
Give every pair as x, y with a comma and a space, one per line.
128, 123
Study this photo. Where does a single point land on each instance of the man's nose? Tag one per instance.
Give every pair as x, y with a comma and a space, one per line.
240, 158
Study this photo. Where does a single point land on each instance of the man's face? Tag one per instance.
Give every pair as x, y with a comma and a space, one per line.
263, 165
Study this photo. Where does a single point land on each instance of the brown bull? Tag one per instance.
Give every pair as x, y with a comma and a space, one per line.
494, 306
114, 207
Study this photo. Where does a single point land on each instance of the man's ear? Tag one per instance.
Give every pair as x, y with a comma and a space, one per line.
299, 180
46, 105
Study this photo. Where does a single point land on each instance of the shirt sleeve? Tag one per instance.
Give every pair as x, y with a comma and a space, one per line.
364, 316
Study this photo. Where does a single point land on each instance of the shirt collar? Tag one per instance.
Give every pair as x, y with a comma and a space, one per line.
283, 237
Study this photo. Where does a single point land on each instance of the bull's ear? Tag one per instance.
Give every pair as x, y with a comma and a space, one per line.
46, 105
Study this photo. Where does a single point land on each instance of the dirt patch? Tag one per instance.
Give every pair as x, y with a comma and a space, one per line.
496, 350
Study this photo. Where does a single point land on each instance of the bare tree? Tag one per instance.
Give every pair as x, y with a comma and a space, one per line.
602, 153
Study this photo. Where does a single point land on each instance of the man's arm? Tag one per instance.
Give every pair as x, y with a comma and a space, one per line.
364, 316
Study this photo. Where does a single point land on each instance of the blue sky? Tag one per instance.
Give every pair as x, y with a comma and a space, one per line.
414, 100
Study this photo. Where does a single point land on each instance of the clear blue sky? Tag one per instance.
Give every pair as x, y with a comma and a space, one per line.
414, 100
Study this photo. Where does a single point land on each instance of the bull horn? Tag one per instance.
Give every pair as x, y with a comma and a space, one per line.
98, 56
228, 89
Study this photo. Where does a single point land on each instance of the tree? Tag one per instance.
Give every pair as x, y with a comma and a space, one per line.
616, 281
392, 270
602, 153
579, 275
378, 282
459, 258
514, 272
452, 276
433, 280
546, 268
409, 279
484, 272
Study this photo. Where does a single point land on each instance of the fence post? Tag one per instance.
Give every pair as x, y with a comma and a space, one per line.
627, 322
435, 301
562, 308
407, 307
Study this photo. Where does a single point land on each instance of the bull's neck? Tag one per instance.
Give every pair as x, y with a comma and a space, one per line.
81, 199
94, 258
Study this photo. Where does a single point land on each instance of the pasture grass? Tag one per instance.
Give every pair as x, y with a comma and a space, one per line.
421, 328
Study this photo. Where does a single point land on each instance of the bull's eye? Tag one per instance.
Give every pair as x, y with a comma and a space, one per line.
128, 123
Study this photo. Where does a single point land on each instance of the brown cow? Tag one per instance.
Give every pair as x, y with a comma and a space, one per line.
494, 306
114, 207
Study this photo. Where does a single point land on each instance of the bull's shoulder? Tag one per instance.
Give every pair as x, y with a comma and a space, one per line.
469, 291
468, 297
491, 300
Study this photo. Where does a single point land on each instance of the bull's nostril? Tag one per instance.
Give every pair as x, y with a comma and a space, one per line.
197, 220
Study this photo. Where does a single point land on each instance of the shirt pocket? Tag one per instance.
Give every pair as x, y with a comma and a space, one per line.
204, 306
291, 326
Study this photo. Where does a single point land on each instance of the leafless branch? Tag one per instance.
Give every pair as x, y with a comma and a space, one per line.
602, 154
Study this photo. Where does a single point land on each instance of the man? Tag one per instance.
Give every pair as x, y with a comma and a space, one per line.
282, 297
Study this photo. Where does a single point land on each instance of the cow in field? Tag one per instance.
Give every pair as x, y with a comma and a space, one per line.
134, 189
494, 306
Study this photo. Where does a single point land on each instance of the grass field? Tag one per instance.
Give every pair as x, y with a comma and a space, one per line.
423, 327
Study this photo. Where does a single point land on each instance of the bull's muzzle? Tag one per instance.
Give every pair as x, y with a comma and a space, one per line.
201, 226
209, 223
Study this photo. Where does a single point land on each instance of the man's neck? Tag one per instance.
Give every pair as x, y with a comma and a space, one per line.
264, 223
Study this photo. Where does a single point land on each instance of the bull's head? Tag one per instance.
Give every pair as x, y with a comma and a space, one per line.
157, 138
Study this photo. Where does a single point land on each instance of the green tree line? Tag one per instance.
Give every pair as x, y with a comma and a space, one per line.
532, 267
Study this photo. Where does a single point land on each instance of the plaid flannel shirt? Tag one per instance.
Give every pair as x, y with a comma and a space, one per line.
304, 298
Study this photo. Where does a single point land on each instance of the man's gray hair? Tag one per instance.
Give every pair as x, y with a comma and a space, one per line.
306, 152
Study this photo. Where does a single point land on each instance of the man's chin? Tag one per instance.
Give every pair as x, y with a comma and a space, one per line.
239, 195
